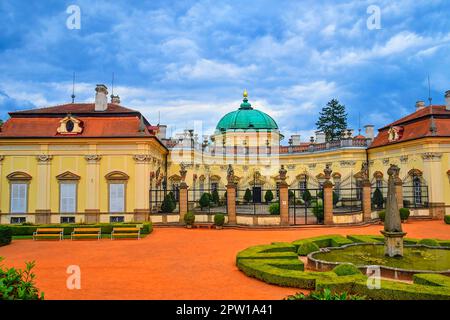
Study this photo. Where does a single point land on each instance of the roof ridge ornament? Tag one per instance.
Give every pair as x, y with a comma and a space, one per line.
245, 105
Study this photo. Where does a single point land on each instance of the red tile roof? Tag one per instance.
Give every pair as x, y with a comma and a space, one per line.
74, 108
417, 125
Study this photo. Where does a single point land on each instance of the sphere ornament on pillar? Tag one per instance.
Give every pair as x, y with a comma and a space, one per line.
393, 233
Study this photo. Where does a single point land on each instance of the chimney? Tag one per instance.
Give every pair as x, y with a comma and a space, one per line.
447, 100
320, 137
101, 98
295, 139
369, 131
162, 131
420, 105
115, 99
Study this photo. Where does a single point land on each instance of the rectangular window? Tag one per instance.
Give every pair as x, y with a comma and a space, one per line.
68, 197
116, 219
19, 197
117, 197
67, 219
18, 220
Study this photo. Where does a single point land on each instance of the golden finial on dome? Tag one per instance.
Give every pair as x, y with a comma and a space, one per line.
245, 93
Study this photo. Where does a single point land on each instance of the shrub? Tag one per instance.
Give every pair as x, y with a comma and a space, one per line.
382, 215
346, 269
172, 196
307, 247
274, 208
215, 196
306, 196
268, 196
147, 228
404, 213
335, 196
17, 284
5, 235
428, 242
219, 219
248, 195
168, 204
205, 200
447, 219
318, 209
189, 218
325, 294
378, 199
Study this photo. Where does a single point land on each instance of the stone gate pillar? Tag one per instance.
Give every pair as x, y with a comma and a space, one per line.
327, 197
399, 192
284, 198
231, 196
367, 201
183, 193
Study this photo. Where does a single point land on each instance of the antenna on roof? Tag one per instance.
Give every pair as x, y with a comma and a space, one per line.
429, 90
73, 88
112, 87
159, 117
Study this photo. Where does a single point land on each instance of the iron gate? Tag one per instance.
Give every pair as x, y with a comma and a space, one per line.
306, 206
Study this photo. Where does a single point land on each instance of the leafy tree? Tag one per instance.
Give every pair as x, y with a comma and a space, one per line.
172, 196
306, 196
215, 196
1, 122
248, 195
291, 196
168, 204
268, 196
205, 200
332, 120
18, 284
378, 199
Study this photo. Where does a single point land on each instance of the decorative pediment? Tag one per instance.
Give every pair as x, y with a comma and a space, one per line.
18, 176
175, 177
320, 176
302, 176
117, 175
359, 175
415, 173
215, 177
70, 126
378, 175
68, 176
336, 176
202, 177
395, 133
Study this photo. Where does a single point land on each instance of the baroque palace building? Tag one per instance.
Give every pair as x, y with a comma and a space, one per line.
102, 162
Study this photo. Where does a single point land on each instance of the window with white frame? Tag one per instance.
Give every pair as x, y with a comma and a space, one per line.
68, 197
19, 197
117, 197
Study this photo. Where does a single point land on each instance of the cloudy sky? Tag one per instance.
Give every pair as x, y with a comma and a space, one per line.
191, 60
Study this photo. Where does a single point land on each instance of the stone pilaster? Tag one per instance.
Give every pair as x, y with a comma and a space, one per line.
183, 203
43, 183
142, 187
328, 202
284, 204
92, 183
231, 203
367, 201
432, 163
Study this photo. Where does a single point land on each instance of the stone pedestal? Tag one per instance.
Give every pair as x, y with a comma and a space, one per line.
367, 201
183, 203
328, 202
393, 243
284, 204
231, 203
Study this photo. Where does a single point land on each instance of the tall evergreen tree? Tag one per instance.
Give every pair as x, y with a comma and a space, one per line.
332, 120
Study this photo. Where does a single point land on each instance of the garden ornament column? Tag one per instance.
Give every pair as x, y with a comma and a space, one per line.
231, 196
366, 193
327, 196
183, 194
399, 191
393, 233
284, 197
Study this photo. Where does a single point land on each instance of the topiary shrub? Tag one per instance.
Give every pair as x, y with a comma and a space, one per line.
5, 235
307, 247
17, 284
306, 196
215, 196
219, 219
428, 242
378, 199
346, 269
189, 218
382, 215
205, 200
274, 208
168, 204
447, 219
268, 196
317, 209
404, 213
248, 195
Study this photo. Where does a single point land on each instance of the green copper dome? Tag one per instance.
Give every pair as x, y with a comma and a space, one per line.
246, 118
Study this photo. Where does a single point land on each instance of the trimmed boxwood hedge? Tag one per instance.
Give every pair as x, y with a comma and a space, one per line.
429, 242
5, 235
346, 269
447, 219
106, 228
307, 247
278, 264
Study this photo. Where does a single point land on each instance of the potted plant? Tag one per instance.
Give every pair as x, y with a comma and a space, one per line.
219, 220
189, 219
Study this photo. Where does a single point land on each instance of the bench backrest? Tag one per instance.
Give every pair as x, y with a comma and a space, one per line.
49, 230
126, 229
86, 229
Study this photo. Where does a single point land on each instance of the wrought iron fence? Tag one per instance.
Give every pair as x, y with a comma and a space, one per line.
378, 197
157, 196
207, 201
347, 200
306, 206
257, 201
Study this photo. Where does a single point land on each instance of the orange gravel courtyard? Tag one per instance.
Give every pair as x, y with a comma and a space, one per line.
171, 263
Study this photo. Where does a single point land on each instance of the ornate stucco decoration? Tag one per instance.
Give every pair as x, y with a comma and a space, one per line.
183, 172
404, 159
142, 158
70, 126
431, 156
93, 158
291, 166
230, 174
282, 174
311, 165
371, 163
347, 163
44, 158
415, 172
395, 134
1, 158
385, 161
